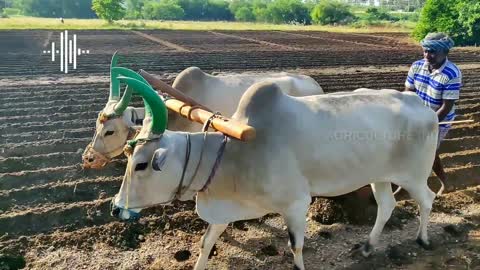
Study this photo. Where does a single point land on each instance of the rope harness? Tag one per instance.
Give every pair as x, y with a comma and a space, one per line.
92, 158
179, 191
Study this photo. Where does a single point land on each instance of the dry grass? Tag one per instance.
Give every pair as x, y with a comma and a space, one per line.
24, 23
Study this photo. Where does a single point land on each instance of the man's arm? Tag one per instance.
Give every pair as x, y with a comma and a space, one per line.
410, 81
445, 108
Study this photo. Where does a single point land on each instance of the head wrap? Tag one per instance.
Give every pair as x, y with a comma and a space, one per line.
437, 42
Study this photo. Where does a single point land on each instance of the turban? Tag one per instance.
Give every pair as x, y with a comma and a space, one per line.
437, 42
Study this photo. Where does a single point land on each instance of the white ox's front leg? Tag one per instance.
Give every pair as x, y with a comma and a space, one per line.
295, 217
207, 242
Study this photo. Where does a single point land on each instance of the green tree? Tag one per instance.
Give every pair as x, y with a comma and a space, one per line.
458, 18
56, 8
331, 12
134, 9
194, 9
164, 10
244, 14
259, 9
288, 11
110, 10
218, 10
469, 20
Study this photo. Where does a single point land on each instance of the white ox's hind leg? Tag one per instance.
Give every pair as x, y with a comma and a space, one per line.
207, 242
295, 217
385, 205
422, 194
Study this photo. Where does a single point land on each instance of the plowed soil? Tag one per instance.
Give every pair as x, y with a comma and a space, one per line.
55, 215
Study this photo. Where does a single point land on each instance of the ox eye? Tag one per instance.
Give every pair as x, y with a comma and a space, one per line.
108, 133
141, 166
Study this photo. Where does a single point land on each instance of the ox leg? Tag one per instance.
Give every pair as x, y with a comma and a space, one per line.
295, 218
207, 242
385, 205
424, 197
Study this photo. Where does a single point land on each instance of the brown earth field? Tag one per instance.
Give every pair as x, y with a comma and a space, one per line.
55, 215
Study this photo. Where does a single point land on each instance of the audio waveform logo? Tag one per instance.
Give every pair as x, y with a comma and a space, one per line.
68, 51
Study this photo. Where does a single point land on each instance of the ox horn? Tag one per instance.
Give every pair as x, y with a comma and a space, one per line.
127, 95
154, 105
114, 83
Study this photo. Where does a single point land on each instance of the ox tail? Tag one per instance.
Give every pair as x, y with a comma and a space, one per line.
440, 191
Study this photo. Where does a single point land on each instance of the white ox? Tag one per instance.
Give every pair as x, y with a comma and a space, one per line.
117, 123
323, 145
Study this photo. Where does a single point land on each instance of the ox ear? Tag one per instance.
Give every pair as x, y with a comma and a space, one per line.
159, 158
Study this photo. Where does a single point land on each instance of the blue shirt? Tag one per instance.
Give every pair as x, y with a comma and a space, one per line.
433, 87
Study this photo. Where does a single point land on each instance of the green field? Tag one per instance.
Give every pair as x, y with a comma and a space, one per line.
23, 23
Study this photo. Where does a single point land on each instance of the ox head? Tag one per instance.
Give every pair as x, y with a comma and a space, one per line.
155, 159
113, 127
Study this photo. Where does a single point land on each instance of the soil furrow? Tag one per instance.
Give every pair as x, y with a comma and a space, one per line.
459, 144
37, 162
41, 127
43, 147
81, 133
65, 217
55, 174
75, 191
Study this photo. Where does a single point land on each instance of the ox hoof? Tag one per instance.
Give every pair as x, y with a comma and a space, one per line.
423, 244
366, 249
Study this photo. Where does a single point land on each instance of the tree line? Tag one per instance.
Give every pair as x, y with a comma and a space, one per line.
459, 18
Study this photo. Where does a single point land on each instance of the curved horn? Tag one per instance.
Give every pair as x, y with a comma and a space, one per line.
154, 105
127, 95
114, 83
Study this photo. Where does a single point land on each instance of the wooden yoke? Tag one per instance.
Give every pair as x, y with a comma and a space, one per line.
163, 87
190, 109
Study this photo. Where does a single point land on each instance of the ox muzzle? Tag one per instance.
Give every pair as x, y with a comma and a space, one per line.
93, 159
123, 213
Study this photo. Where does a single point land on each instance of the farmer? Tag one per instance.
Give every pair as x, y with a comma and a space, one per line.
437, 82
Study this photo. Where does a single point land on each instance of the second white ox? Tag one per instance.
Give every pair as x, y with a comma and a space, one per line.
324, 145
117, 123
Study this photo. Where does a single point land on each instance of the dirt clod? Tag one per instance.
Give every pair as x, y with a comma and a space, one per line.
398, 255
325, 234
12, 262
182, 255
453, 230
270, 250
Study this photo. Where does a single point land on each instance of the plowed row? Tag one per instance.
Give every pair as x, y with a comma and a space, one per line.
44, 129
208, 51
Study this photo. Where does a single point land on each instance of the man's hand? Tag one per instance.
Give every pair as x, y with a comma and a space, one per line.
445, 108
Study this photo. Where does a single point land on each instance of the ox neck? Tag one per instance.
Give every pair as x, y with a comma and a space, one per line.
196, 182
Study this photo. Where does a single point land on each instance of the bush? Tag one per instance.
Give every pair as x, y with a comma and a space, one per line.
244, 14
458, 18
10, 12
163, 11
331, 12
375, 14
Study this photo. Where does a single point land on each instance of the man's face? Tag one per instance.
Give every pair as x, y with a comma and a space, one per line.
434, 58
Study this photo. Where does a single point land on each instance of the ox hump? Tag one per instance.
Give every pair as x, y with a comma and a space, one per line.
258, 100
189, 78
